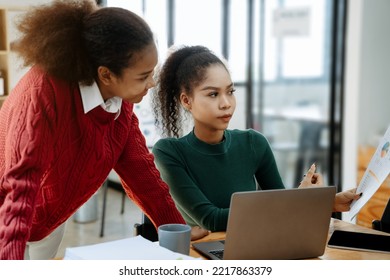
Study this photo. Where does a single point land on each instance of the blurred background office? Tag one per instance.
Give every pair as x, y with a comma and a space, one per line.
311, 75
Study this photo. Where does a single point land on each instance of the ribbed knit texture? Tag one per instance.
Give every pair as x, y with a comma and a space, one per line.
53, 158
202, 177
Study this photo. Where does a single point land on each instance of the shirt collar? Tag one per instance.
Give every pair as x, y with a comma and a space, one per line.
92, 98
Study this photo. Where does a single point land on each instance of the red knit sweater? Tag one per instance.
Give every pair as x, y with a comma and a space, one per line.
53, 158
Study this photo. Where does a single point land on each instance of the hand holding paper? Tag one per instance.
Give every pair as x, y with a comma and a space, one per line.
377, 171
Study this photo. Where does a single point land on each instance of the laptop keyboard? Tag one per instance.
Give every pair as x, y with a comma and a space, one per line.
217, 253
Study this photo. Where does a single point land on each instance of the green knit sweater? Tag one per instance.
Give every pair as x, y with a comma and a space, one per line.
202, 177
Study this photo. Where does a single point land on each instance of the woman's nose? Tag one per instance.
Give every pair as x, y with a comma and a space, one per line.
151, 83
225, 103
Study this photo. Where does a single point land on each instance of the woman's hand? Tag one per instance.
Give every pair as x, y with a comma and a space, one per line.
343, 200
311, 178
197, 232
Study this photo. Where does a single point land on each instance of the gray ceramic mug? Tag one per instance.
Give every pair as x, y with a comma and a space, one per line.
175, 237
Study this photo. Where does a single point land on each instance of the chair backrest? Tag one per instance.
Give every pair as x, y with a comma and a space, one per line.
310, 136
384, 223
146, 229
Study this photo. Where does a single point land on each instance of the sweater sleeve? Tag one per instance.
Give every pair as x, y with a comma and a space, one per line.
187, 194
267, 173
142, 181
29, 123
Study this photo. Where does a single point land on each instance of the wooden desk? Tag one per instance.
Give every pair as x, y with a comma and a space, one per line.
311, 113
330, 253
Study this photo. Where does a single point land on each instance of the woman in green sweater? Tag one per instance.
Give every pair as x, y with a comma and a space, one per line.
205, 167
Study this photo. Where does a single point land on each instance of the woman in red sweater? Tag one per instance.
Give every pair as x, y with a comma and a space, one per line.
70, 121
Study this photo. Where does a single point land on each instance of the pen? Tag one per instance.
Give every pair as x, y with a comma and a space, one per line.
312, 166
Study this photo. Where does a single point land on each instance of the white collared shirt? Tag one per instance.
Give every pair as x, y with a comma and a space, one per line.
91, 98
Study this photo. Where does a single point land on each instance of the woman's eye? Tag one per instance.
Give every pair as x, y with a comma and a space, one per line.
232, 91
213, 94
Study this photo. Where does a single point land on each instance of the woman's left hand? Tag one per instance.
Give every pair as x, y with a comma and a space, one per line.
343, 200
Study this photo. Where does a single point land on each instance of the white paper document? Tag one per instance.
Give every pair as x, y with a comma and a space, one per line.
133, 248
377, 171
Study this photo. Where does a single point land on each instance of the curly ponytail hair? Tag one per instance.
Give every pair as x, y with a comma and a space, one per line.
184, 69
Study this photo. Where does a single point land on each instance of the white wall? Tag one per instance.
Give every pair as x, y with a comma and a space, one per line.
352, 91
375, 72
367, 84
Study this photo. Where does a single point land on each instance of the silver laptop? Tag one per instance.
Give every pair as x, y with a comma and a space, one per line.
275, 224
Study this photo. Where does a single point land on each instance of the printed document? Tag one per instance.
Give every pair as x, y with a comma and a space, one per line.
133, 248
377, 171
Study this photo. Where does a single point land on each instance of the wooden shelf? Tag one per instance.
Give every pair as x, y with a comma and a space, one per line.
2, 99
9, 65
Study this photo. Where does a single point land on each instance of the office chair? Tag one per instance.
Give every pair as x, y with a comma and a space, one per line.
309, 150
384, 223
105, 190
146, 229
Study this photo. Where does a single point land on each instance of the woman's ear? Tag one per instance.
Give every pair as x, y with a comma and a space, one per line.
185, 101
104, 75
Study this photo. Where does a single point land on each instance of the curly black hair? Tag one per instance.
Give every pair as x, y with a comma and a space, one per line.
70, 39
184, 69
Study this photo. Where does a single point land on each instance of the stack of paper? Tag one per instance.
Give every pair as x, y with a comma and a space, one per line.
134, 248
